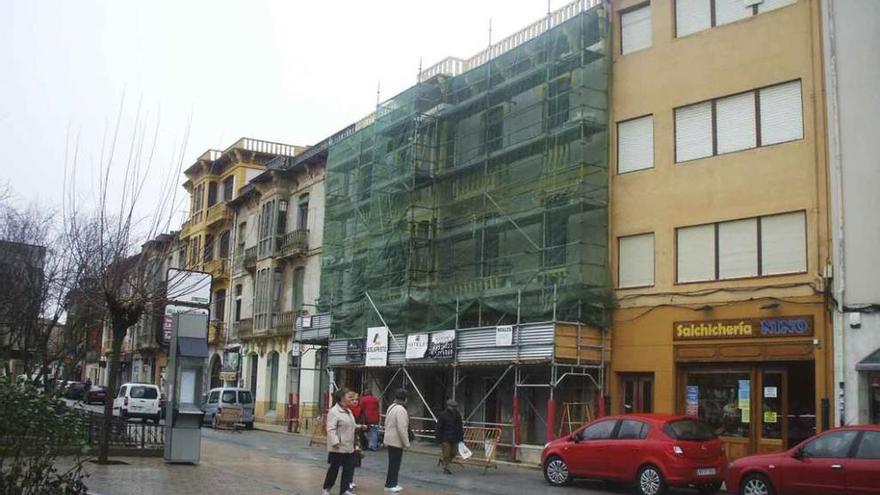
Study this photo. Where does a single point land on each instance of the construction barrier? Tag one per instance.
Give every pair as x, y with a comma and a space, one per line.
319, 431
483, 443
228, 418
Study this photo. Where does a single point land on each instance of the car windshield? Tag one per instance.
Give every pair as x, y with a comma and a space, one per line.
144, 393
690, 429
245, 397
228, 397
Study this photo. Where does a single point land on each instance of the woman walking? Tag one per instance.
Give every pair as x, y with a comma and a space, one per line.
396, 438
340, 443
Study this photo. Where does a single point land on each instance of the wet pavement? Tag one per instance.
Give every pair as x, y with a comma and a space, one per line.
259, 462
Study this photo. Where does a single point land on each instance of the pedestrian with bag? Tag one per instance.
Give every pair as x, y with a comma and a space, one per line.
397, 438
449, 433
341, 427
370, 414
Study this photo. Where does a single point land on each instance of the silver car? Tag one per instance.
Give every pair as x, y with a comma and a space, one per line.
217, 398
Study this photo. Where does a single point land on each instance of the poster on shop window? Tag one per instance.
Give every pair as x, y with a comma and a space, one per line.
377, 347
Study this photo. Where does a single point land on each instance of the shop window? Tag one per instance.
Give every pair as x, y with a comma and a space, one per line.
635, 144
831, 445
635, 261
721, 399
635, 29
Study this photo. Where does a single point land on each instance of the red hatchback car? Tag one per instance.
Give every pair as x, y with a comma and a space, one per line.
835, 462
654, 451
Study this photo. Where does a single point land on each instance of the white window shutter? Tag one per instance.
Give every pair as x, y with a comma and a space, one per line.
782, 117
636, 260
696, 253
727, 11
635, 32
738, 249
692, 16
735, 120
783, 243
635, 144
768, 5
693, 132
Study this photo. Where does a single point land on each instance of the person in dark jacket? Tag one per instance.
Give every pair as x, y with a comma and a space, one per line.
450, 431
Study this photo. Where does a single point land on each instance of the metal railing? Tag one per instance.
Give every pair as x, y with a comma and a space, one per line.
123, 433
282, 323
250, 258
217, 213
295, 243
243, 328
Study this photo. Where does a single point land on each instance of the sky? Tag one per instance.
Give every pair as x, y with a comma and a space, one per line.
205, 73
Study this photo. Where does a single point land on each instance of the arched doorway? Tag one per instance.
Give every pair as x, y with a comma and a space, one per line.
215, 371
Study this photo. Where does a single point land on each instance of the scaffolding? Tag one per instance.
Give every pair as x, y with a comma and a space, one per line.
468, 192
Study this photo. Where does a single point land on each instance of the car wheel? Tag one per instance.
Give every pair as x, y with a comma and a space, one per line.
709, 488
650, 481
756, 484
556, 471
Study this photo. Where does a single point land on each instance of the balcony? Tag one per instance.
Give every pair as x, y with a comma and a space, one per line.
216, 333
242, 329
282, 323
294, 244
216, 214
186, 228
218, 268
250, 259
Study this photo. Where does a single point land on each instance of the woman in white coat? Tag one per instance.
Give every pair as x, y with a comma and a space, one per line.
396, 438
341, 428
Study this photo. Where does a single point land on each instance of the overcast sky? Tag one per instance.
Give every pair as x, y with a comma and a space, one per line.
288, 71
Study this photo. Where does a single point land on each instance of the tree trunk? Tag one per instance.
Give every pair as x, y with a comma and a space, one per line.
113, 370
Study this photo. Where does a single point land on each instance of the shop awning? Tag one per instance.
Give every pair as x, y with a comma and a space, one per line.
870, 363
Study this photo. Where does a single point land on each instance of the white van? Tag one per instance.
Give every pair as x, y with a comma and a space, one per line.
216, 398
137, 400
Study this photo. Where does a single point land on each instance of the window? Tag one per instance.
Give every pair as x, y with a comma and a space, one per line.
121, 392
237, 315
261, 298
869, 445
599, 431
632, 430
266, 214
208, 255
272, 372
281, 221
276, 290
635, 144
224, 245
228, 188
245, 397
214, 397
212, 194
240, 239
228, 397
635, 29
690, 429
198, 198
299, 280
833, 444
302, 216
717, 402
220, 305
195, 251
753, 247
692, 16
635, 260
138, 392
762, 117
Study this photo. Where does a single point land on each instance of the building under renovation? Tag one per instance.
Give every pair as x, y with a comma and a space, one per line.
468, 216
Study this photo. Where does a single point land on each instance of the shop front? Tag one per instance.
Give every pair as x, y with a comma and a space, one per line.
754, 380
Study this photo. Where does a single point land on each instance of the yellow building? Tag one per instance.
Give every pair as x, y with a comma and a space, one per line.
719, 225
215, 178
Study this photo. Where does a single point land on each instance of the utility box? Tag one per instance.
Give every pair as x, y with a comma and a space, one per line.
183, 415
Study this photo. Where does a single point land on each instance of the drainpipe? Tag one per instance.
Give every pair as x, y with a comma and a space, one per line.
837, 204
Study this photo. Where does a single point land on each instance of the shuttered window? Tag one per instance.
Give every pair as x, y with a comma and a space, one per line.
635, 30
692, 16
635, 144
782, 116
636, 260
696, 253
759, 246
738, 249
783, 243
727, 11
739, 122
735, 119
693, 132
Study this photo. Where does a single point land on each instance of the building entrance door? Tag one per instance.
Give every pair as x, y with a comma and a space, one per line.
773, 418
637, 393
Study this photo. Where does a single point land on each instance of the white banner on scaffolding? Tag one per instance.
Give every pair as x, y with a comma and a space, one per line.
503, 335
416, 345
377, 347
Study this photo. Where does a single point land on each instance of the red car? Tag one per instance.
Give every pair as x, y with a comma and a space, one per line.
835, 462
654, 451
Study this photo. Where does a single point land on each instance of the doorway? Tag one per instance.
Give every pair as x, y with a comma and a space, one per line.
637, 393
254, 361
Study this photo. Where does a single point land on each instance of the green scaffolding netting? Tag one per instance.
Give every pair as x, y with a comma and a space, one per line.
479, 199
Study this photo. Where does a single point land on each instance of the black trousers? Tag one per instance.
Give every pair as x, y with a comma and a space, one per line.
395, 456
337, 460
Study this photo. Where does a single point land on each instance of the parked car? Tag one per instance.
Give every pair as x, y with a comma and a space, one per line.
137, 400
838, 461
75, 390
654, 451
218, 398
96, 395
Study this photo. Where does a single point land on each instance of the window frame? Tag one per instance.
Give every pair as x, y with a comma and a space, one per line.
617, 145
654, 264
712, 18
758, 134
611, 434
628, 10
758, 257
643, 432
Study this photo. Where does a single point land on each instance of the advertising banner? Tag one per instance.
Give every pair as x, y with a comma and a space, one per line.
503, 335
442, 345
416, 345
377, 347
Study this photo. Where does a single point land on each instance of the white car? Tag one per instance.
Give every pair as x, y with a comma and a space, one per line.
137, 400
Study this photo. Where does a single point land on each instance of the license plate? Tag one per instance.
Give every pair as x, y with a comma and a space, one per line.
705, 471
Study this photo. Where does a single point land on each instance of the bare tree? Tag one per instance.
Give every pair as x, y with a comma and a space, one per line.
104, 238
